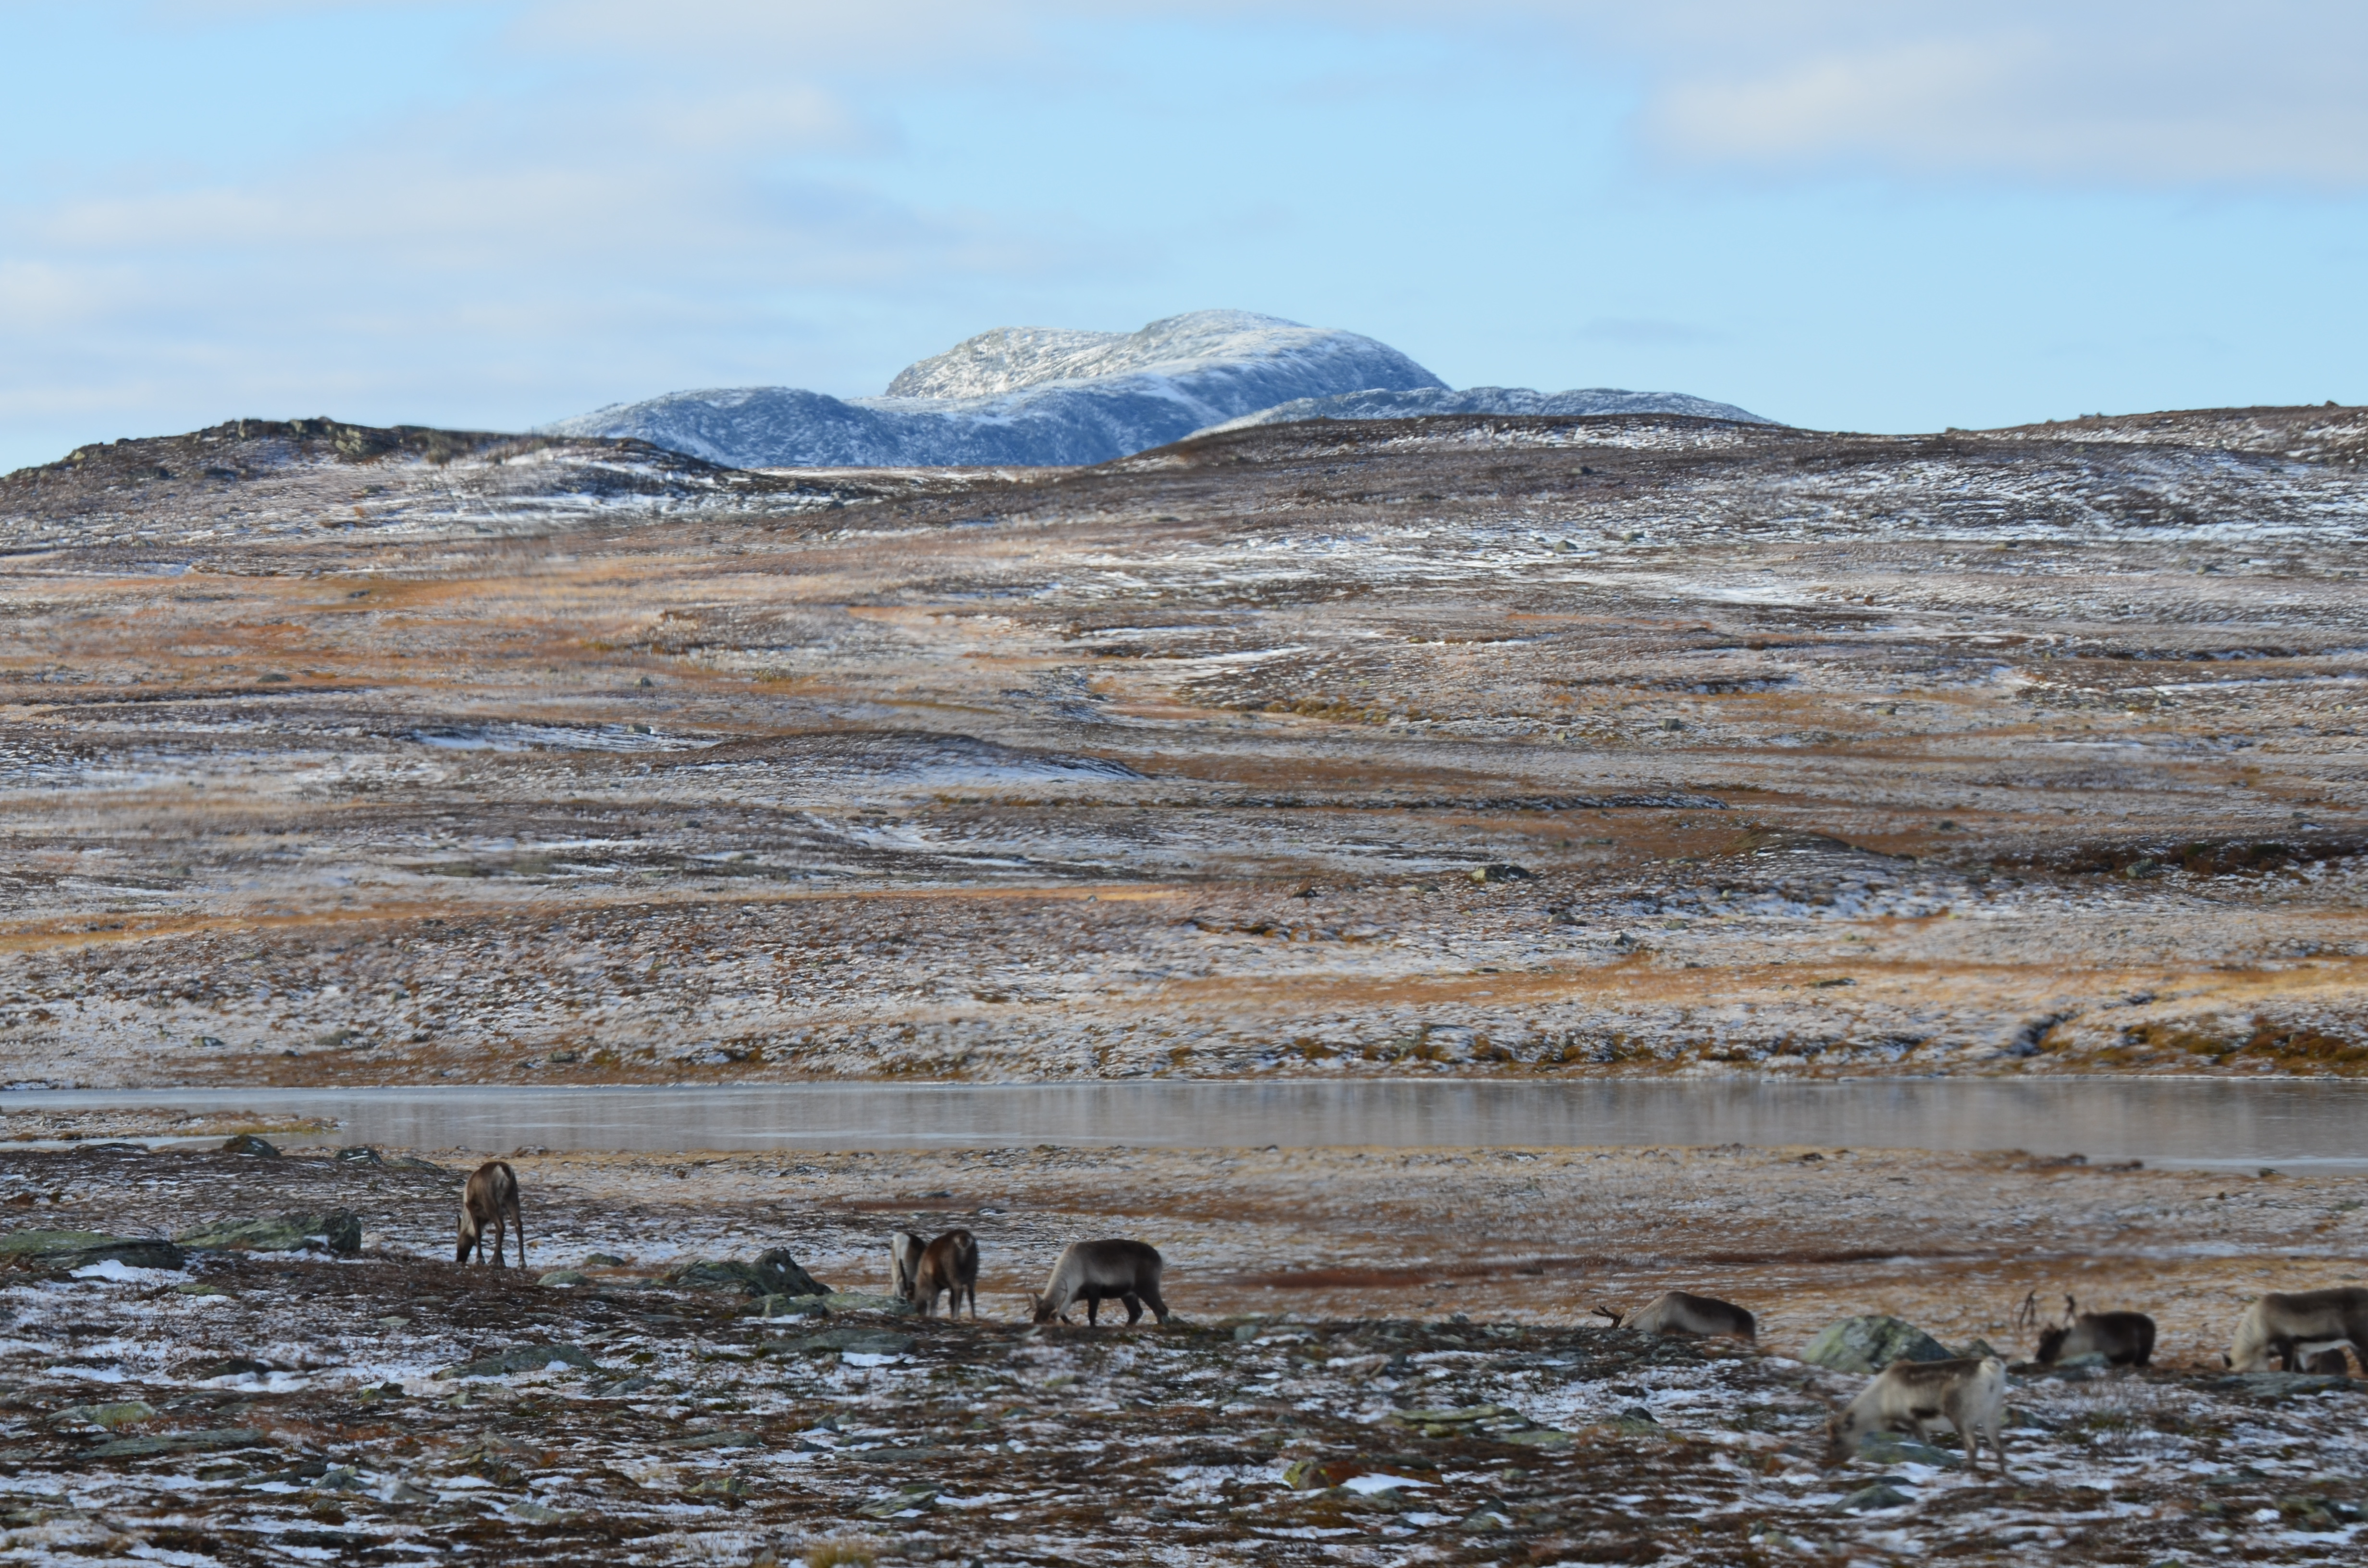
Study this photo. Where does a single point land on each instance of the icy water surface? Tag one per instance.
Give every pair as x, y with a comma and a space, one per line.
2190, 1123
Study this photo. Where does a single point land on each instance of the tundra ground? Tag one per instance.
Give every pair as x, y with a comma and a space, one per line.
1452, 745
1379, 1357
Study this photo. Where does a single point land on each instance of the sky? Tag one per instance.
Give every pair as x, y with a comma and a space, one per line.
1875, 216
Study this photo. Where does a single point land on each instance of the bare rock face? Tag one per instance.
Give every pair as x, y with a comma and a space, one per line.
1868, 1345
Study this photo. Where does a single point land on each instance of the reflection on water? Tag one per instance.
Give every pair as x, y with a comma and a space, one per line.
2322, 1126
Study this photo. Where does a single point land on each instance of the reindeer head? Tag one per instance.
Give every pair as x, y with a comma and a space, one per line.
1617, 1318
1840, 1440
2051, 1345
1039, 1308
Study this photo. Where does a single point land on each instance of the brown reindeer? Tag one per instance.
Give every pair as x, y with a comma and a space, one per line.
492, 1195
949, 1264
1095, 1272
2124, 1339
1910, 1396
1677, 1312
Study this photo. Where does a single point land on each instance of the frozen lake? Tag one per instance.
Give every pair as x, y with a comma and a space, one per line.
2195, 1122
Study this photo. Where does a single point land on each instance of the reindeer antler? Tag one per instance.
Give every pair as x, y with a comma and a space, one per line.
1617, 1318
2071, 1311
2027, 1316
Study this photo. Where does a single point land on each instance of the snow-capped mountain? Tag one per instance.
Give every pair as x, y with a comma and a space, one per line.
1024, 395
1421, 401
1046, 395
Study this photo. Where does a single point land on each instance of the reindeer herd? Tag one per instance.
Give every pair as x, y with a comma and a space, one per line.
2302, 1331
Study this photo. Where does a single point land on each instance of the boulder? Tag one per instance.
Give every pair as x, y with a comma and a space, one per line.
360, 1154
1868, 1345
61, 1251
791, 1307
773, 1273
248, 1143
339, 1232
1878, 1495
865, 1301
524, 1358
561, 1279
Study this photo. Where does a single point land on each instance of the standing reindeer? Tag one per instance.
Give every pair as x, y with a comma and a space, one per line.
949, 1264
905, 1260
492, 1195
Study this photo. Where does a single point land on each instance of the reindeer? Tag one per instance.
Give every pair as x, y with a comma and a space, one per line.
949, 1264
1912, 1396
492, 1193
2280, 1324
905, 1260
1676, 1311
2124, 1339
1095, 1272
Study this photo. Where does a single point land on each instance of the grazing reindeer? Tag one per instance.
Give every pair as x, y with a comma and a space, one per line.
1095, 1272
2278, 1324
905, 1260
492, 1195
1676, 1311
2124, 1339
1911, 1396
949, 1264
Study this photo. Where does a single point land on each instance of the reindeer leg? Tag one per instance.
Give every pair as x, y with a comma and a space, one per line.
518, 1219
1133, 1308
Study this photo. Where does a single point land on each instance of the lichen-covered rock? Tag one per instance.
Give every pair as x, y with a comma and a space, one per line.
1868, 1345
561, 1279
64, 1251
248, 1143
865, 1301
773, 1273
338, 1232
791, 1307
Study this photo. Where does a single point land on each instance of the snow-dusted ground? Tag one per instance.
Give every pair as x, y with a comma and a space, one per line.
1379, 1358
1474, 744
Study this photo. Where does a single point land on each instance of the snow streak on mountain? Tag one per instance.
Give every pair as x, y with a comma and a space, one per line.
1051, 396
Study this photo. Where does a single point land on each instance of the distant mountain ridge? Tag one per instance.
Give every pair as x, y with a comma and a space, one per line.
1422, 401
1052, 396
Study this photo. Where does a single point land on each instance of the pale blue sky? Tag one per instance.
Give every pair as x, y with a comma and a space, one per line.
1840, 213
